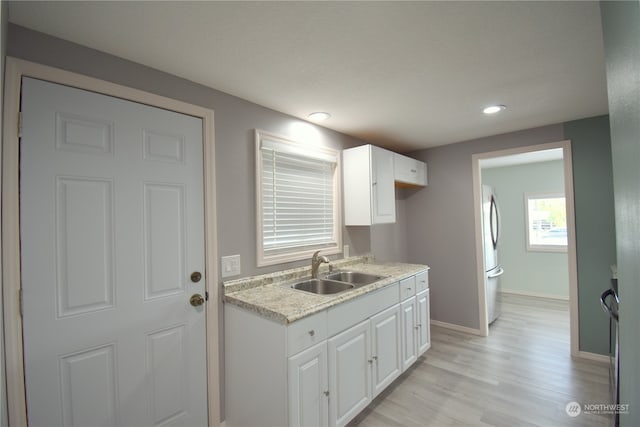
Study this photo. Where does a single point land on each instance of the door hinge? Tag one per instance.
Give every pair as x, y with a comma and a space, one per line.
21, 302
20, 124
206, 295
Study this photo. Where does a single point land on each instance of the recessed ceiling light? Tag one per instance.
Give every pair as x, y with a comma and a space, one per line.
319, 116
493, 109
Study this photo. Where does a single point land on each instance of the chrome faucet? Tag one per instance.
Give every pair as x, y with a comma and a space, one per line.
316, 260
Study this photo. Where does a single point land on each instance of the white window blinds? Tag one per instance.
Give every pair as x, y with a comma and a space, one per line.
297, 198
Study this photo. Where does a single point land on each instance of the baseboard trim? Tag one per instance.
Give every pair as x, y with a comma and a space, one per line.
457, 328
534, 294
595, 357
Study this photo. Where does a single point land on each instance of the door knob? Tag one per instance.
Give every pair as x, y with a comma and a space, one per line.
196, 300
196, 276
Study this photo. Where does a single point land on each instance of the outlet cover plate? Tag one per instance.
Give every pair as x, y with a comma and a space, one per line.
230, 265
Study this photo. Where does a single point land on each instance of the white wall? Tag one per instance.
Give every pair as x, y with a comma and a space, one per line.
527, 272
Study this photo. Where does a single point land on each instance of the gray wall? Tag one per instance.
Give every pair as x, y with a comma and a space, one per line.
595, 224
621, 28
441, 226
235, 121
527, 272
442, 232
3, 46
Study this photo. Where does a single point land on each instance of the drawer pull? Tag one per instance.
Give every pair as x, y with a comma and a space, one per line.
312, 332
375, 358
416, 327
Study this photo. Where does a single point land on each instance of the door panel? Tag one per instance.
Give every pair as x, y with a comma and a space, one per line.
424, 322
349, 373
386, 348
112, 225
409, 344
308, 403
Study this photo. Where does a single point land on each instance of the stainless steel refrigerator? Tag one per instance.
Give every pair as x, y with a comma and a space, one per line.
491, 241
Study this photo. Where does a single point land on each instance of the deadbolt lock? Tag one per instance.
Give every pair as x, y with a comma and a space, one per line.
196, 300
196, 276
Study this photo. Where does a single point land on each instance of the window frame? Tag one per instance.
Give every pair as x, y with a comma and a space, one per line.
538, 247
294, 254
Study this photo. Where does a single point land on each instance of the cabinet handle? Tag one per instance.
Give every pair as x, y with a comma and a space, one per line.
312, 332
416, 327
413, 170
370, 361
375, 358
326, 392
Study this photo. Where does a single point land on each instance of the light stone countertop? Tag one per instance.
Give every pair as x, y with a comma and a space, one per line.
270, 296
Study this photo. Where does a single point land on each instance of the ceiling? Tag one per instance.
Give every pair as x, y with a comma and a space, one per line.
404, 75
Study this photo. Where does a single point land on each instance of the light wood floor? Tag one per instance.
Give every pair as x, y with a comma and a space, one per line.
521, 375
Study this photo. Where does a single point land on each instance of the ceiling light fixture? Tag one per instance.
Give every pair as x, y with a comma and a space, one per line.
493, 109
319, 116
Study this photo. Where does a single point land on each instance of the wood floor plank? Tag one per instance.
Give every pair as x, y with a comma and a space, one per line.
521, 375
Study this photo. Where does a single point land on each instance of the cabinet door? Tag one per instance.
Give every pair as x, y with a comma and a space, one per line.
424, 323
409, 336
383, 190
385, 348
308, 387
349, 373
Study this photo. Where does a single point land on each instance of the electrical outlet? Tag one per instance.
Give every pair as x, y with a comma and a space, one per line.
230, 265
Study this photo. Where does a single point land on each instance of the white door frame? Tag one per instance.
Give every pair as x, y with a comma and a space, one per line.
571, 235
15, 70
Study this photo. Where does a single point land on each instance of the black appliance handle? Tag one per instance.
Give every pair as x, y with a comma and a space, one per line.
494, 233
603, 303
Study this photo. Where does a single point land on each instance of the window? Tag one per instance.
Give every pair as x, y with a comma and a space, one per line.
546, 222
298, 200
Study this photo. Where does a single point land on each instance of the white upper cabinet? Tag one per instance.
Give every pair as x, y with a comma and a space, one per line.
409, 171
369, 193
370, 174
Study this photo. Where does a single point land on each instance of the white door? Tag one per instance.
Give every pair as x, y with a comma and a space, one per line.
409, 344
383, 191
308, 388
386, 348
112, 226
424, 322
349, 373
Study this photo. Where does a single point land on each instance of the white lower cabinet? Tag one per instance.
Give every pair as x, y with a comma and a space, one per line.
424, 322
324, 369
409, 338
349, 373
308, 387
386, 348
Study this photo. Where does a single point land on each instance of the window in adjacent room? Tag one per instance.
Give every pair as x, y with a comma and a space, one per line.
546, 222
298, 199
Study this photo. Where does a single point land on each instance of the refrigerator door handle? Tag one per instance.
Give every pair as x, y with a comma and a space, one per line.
498, 273
603, 303
493, 218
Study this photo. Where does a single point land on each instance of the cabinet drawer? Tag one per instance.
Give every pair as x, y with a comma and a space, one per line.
407, 288
422, 281
306, 332
347, 314
409, 171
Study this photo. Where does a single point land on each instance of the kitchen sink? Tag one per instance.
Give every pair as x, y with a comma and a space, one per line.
353, 277
322, 286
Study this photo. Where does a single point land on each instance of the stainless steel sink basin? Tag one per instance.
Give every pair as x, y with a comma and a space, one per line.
322, 286
353, 277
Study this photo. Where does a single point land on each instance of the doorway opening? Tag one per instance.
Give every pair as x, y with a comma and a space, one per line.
536, 246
